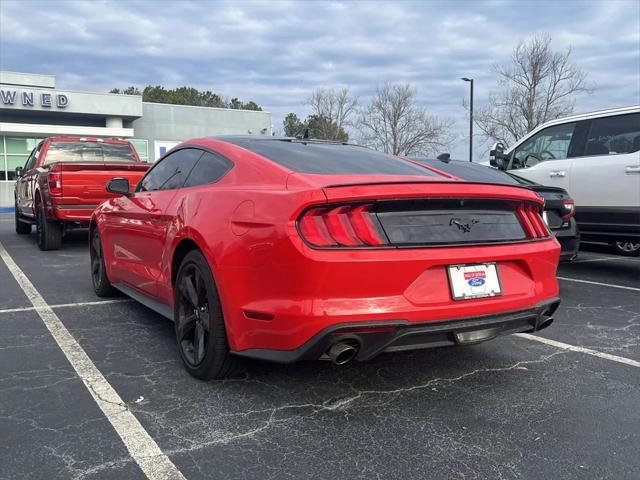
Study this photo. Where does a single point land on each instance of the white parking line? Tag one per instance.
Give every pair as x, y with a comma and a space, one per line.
573, 348
142, 448
624, 287
605, 259
69, 305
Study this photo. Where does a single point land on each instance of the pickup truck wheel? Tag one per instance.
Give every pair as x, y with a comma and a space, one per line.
22, 228
101, 284
199, 324
49, 233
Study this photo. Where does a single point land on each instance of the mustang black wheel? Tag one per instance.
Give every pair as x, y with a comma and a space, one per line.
200, 331
101, 284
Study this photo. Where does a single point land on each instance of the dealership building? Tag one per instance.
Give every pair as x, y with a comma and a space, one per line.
32, 108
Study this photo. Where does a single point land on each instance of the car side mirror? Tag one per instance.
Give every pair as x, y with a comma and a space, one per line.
497, 157
19, 172
119, 185
444, 157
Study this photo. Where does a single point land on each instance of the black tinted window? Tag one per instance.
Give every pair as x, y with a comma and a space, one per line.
472, 172
331, 159
89, 152
210, 168
171, 171
612, 135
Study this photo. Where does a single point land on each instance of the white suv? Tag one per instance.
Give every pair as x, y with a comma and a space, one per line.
596, 158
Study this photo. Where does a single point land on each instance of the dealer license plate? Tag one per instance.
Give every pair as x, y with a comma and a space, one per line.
474, 281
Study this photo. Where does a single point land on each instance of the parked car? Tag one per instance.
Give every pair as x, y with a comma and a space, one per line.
288, 249
596, 158
64, 180
559, 207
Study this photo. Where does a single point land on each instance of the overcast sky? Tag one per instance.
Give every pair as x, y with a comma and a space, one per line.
276, 52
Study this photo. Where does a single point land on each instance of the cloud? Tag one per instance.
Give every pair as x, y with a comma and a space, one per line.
276, 52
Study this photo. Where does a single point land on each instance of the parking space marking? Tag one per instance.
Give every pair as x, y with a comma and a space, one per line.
142, 448
624, 287
605, 259
69, 305
574, 348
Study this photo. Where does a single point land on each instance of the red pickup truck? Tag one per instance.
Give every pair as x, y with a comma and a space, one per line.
64, 180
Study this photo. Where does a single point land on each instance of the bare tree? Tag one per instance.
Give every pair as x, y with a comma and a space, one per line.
537, 86
394, 123
336, 107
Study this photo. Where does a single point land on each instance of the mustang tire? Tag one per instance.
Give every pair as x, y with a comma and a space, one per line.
200, 332
101, 284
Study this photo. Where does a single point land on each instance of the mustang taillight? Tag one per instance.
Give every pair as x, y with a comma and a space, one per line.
569, 209
531, 218
341, 226
55, 183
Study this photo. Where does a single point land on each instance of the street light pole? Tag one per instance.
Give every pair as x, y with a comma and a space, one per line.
470, 80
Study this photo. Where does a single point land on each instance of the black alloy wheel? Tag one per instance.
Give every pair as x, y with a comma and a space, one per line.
101, 284
200, 331
194, 318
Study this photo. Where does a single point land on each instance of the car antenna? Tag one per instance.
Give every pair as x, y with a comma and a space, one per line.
444, 157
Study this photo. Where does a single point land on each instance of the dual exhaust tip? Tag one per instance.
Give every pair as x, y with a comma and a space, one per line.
343, 352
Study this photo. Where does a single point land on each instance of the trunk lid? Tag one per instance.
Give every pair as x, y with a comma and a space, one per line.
432, 212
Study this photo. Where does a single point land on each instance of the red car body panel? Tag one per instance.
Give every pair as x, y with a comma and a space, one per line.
82, 184
276, 291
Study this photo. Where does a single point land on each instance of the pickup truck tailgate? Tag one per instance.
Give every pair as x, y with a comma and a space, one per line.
83, 186
86, 182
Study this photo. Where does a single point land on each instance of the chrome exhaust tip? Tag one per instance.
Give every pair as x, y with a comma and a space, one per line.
342, 353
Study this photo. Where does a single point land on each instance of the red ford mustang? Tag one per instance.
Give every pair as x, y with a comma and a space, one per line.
283, 249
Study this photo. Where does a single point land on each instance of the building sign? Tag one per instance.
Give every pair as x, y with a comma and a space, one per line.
28, 99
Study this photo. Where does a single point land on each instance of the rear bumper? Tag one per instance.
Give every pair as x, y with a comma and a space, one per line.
374, 338
569, 239
74, 213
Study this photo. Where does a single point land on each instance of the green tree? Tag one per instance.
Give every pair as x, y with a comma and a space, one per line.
251, 105
127, 91
292, 125
322, 128
187, 96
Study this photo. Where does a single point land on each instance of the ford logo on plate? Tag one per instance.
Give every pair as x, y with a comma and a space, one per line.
476, 282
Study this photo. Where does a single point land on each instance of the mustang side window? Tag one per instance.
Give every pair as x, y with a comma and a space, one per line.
171, 171
614, 135
550, 144
209, 169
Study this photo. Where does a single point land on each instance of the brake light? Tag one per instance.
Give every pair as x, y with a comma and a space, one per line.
531, 219
55, 183
569, 209
341, 226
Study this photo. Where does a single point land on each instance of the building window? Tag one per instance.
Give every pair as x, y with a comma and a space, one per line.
14, 152
3, 166
142, 148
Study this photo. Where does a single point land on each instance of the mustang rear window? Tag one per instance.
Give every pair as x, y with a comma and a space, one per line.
330, 159
89, 152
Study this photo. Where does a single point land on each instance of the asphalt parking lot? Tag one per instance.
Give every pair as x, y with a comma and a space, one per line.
511, 408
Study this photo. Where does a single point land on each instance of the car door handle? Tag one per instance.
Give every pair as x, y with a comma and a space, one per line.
632, 169
557, 173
